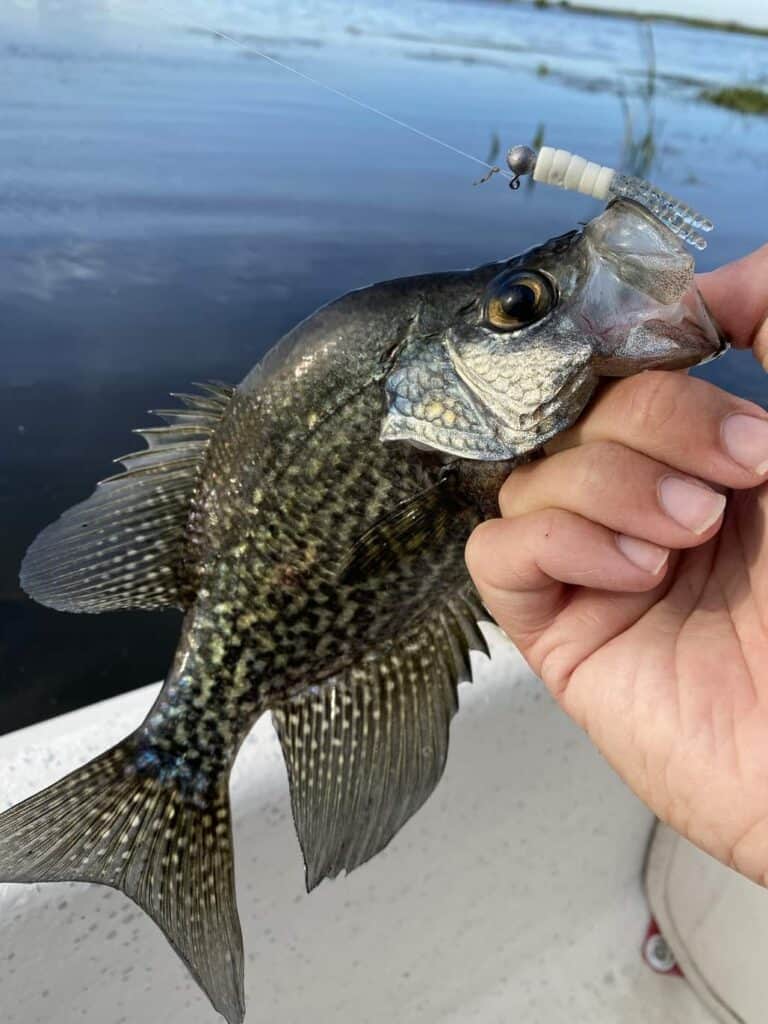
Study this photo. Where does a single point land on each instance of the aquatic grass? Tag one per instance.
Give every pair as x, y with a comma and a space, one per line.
639, 147
639, 143
690, 21
494, 149
746, 99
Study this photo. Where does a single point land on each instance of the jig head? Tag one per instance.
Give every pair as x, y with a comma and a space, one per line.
569, 171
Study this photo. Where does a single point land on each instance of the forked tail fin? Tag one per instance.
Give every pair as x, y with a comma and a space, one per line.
117, 823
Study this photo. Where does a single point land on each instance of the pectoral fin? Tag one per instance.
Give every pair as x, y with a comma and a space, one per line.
366, 749
402, 533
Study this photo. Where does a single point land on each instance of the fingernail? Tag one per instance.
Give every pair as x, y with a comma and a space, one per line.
746, 441
648, 557
694, 506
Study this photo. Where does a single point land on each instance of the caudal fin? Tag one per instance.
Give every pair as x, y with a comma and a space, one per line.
110, 823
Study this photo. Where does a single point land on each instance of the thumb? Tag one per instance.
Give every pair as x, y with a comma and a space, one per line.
737, 294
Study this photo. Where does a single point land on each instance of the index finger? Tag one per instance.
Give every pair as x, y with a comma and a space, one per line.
681, 421
737, 295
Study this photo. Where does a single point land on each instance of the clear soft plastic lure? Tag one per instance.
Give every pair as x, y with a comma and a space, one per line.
569, 171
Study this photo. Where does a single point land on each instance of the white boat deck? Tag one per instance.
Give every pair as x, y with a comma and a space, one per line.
514, 895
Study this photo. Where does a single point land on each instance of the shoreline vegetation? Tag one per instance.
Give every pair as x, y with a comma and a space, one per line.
747, 98
674, 19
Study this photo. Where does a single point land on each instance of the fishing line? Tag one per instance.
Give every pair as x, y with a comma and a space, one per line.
551, 166
491, 168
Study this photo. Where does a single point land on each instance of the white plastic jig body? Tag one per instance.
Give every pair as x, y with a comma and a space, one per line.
572, 172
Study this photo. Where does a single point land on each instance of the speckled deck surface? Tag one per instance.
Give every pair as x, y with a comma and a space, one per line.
514, 895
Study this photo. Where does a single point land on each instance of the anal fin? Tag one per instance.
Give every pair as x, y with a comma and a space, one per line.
365, 749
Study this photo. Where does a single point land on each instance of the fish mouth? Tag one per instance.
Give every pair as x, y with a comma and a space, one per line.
674, 337
709, 326
640, 303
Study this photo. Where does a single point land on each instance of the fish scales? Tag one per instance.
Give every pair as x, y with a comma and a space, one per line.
311, 524
270, 614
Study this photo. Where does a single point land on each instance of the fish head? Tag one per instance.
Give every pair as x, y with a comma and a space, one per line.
502, 358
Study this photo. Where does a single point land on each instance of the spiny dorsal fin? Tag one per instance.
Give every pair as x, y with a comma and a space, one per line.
124, 547
366, 749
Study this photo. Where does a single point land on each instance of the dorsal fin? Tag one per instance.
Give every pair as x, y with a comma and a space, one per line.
124, 546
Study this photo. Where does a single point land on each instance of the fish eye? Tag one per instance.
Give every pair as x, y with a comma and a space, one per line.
519, 298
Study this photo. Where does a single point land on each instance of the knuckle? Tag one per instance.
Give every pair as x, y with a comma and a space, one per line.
653, 400
495, 557
601, 465
512, 498
477, 548
507, 494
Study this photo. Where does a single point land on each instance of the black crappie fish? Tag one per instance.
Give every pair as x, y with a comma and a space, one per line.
311, 523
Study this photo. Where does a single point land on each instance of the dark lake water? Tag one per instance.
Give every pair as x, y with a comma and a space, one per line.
170, 205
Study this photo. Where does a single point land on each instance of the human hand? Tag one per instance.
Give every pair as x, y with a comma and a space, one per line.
640, 595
